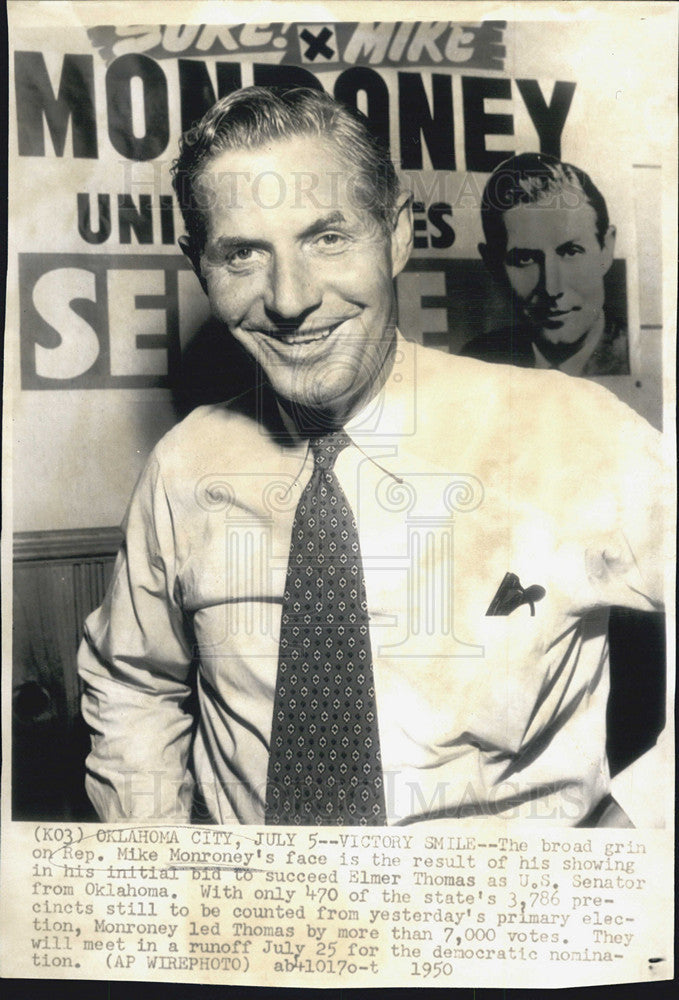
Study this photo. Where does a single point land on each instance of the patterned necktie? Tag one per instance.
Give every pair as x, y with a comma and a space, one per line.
324, 762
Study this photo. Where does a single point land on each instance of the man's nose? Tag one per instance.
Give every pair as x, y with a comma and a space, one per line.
292, 292
552, 276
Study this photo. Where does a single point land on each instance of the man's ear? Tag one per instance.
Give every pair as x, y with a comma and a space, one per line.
402, 233
608, 249
189, 250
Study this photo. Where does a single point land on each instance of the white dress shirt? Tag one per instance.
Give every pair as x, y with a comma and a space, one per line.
460, 472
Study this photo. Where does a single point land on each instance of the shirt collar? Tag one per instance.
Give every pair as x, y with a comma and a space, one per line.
391, 411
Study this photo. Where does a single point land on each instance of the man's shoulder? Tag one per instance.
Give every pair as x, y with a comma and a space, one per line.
466, 374
560, 437
214, 432
611, 354
538, 403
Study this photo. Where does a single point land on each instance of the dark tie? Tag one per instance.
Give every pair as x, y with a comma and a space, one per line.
324, 759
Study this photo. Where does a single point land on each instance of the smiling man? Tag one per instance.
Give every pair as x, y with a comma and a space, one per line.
287, 637
302, 275
549, 241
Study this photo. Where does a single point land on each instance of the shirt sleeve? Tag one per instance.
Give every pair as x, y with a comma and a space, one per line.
627, 557
135, 663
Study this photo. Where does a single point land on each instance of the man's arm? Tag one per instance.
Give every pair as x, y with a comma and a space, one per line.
135, 662
617, 500
636, 567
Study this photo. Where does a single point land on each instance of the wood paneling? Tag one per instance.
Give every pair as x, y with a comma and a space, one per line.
59, 577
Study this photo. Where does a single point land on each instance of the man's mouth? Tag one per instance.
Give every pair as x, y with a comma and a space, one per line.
306, 336
546, 317
295, 337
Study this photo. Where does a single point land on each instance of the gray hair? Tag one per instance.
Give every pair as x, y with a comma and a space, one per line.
253, 116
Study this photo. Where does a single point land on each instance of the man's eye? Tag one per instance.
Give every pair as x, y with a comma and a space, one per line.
521, 258
572, 250
242, 254
242, 257
331, 241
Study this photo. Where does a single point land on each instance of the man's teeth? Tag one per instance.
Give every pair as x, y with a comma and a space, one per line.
306, 338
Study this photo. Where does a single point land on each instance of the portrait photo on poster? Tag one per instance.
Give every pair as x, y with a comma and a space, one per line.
337, 400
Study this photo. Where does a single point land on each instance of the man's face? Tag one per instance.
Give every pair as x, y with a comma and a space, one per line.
299, 272
555, 266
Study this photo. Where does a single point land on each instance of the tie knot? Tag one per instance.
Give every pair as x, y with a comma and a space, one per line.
327, 447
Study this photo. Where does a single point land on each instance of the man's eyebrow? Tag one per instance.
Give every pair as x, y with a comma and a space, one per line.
320, 225
227, 244
516, 250
568, 243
